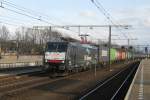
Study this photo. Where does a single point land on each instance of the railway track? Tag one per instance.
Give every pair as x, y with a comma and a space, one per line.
113, 88
10, 78
15, 79
26, 82
13, 84
16, 75
9, 84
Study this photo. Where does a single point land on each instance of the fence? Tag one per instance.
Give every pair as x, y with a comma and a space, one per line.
20, 65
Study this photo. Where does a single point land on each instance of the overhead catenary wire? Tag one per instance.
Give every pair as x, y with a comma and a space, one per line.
17, 20
39, 18
102, 10
126, 36
105, 13
28, 14
36, 18
29, 11
108, 16
20, 8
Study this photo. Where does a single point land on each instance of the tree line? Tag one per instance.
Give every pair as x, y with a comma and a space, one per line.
26, 40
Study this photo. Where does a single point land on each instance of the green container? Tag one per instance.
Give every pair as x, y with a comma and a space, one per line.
129, 55
113, 54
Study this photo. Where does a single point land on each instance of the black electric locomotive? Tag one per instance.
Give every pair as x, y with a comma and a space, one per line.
68, 56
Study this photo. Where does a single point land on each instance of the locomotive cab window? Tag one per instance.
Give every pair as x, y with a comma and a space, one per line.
56, 47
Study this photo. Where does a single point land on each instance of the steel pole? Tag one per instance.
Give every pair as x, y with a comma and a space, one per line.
109, 46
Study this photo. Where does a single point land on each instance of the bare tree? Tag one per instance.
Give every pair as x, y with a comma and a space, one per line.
4, 36
4, 33
33, 40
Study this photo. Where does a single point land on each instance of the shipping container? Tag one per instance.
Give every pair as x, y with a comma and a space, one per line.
113, 54
123, 55
103, 54
119, 57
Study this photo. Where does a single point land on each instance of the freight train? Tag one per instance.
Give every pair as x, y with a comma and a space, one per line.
72, 56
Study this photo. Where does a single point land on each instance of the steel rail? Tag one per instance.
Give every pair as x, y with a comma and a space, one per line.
109, 79
112, 98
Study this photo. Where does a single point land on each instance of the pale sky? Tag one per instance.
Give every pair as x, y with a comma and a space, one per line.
64, 12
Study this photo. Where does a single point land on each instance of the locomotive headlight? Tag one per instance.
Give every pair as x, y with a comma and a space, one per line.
46, 54
46, 60
63, 61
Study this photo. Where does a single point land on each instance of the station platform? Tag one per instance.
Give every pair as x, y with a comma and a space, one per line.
140, 86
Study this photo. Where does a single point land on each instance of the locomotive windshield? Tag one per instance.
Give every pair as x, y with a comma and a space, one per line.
56, 47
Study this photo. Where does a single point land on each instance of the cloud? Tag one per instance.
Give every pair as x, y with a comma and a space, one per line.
140, 21
3, 12
87, 13
89, 17
135, 16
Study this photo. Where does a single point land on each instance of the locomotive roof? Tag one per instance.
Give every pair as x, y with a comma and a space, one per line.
76, 44
89, 46
58, 42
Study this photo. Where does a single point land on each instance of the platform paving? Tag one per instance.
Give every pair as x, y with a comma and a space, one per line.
21, 61
24, 58
140, 87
